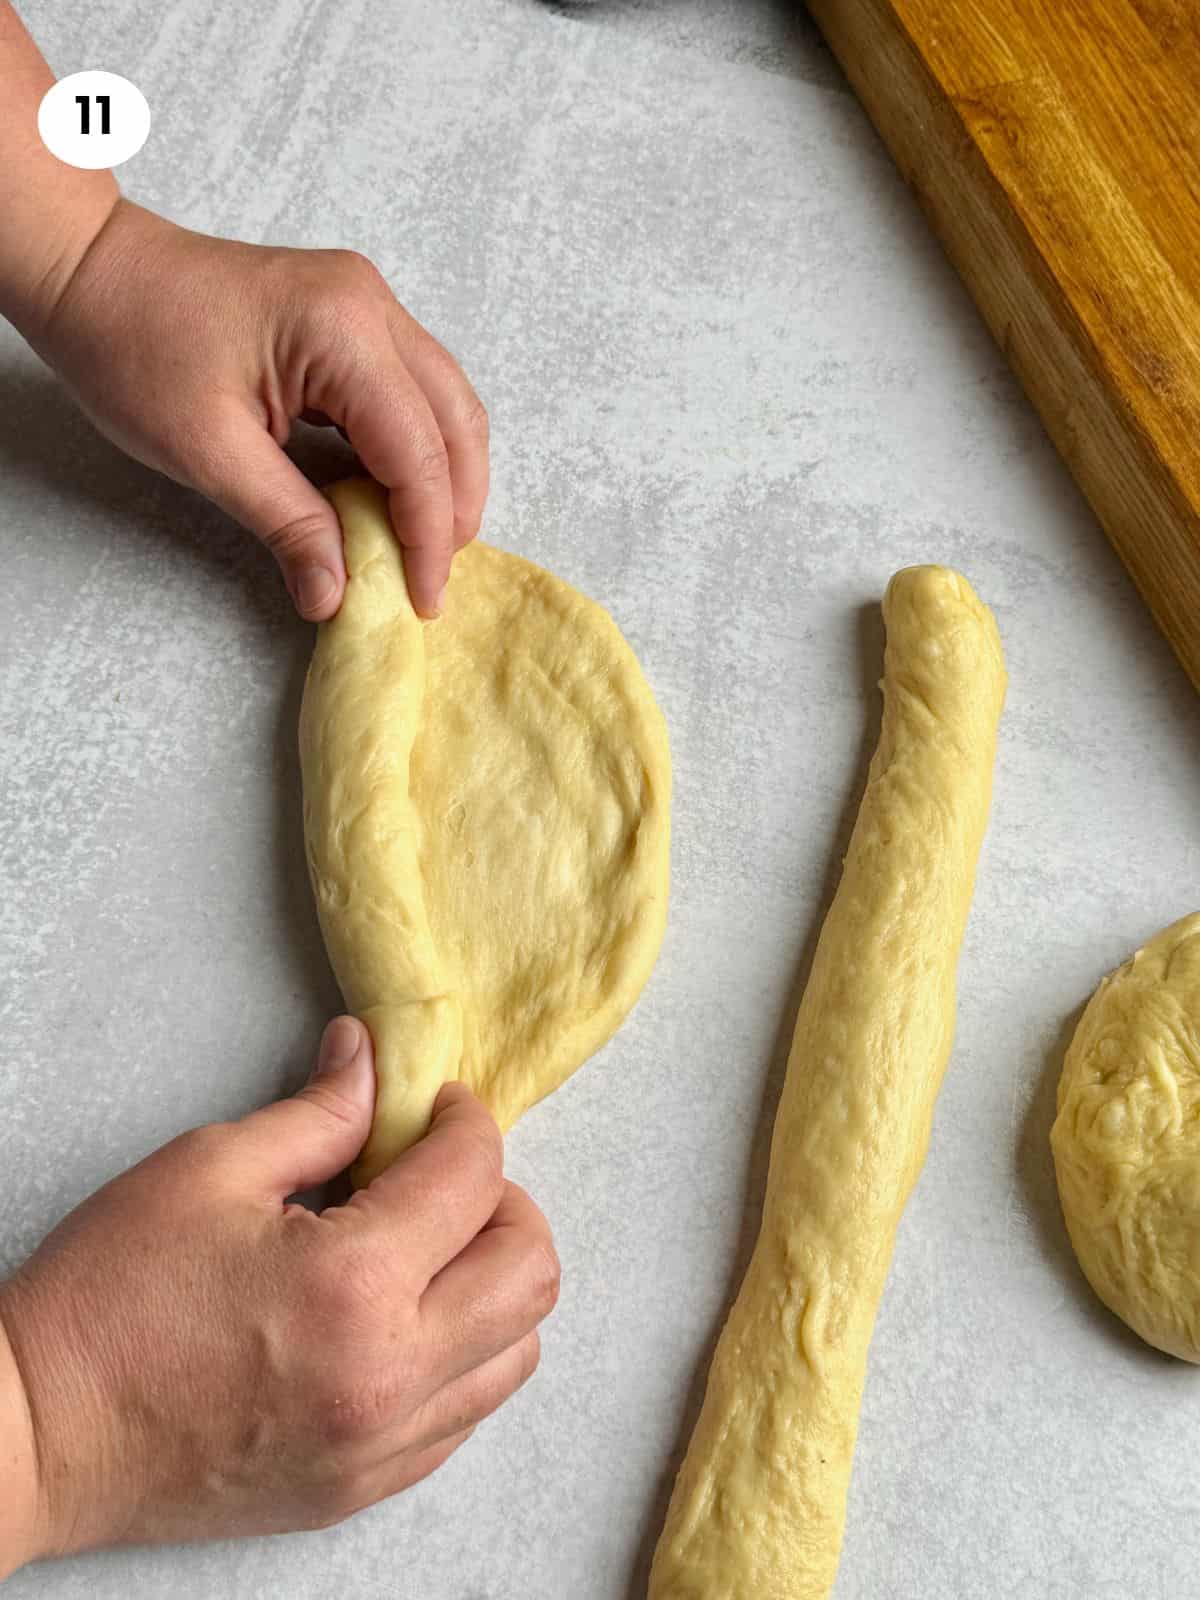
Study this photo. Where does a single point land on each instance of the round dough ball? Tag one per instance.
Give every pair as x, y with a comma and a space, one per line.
1126, 1141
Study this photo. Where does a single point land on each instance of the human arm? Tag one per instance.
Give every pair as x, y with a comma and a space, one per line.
51, 211
18, 1467
196, 355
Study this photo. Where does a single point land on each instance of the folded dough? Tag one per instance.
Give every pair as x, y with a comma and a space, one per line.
759, 1503
1126, 1140
486, 811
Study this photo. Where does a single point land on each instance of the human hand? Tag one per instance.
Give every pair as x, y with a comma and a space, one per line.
202, 1359
195, 355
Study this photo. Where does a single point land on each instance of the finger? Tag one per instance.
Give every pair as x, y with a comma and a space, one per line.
427, 539
432, 1201
466, 1401
315, 1134
415, 1468
460, 415
370, 393
261, 488
404, 1469
495, 1291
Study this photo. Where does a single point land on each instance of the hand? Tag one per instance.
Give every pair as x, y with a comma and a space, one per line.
202, 1359
195, 355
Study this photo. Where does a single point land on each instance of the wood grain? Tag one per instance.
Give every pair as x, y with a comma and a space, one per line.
1055, 146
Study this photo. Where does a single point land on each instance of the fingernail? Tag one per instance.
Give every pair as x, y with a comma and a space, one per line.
339, 1045
313, 587
439, 606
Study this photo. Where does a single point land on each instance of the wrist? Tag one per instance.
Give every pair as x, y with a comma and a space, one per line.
33, 288
51, 210
20, 1504
67, 324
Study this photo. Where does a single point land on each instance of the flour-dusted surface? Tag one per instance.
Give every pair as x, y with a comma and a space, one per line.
733, 388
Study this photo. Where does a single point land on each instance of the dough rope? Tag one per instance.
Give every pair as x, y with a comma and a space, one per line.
759, 1503
486, 810
375, 928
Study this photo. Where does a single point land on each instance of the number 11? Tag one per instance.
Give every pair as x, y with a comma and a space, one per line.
84, 102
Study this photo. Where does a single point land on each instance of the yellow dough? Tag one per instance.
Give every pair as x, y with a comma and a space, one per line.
486, 810
1126, 1140
759, 1503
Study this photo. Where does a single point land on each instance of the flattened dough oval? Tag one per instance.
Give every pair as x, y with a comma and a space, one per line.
486, 807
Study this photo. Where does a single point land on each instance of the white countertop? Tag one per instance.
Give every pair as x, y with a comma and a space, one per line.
733, 387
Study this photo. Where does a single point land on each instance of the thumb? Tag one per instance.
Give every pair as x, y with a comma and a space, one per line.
312, 1136
265, 491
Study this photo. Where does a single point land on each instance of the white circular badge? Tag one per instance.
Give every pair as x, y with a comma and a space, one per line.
94, 119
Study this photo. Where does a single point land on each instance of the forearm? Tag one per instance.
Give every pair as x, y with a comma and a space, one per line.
49, 212
18, 1466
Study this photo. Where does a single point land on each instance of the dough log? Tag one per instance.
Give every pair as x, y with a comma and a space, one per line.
362, 706
759, 1504
486, 814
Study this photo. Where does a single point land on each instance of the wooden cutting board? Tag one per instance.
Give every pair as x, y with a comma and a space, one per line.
1055, 145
